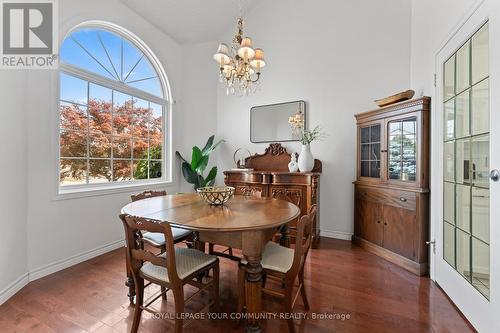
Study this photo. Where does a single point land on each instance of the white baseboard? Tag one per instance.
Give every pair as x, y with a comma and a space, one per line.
13, 288
45, 270
336, 234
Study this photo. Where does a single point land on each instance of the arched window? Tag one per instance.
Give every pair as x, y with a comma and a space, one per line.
113, 107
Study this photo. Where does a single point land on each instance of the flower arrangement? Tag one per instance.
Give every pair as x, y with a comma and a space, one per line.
307, 136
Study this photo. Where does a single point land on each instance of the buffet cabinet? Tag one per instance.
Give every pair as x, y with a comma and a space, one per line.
391, 192
268, 175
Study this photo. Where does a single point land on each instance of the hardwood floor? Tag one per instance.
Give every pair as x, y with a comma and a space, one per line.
340, 278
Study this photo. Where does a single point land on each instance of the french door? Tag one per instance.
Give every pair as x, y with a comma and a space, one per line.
465, 200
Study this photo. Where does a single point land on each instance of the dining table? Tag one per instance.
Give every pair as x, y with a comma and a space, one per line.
244, 222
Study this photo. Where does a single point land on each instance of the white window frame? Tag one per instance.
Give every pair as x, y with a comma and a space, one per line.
165, 102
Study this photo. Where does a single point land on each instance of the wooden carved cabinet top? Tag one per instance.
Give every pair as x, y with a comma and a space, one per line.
269, 175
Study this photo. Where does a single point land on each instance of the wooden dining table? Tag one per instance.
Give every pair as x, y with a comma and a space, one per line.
245, 223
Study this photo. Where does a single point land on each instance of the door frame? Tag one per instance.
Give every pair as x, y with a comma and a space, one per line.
477, 309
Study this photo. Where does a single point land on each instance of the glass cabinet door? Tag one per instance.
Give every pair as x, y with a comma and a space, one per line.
370, 151
402, 149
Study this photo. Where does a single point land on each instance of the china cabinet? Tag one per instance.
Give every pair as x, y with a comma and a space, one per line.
392, 187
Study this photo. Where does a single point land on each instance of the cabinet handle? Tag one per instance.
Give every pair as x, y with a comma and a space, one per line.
385, 223
383, 151
403, 199
378, 222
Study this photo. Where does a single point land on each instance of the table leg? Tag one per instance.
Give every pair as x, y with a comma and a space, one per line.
253, 291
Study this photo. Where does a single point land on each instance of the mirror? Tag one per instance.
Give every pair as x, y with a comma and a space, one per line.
269, 123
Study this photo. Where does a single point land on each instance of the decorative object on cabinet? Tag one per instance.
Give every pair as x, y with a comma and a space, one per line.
240, 162
399, 97
306, 159
391, 196
193, 171
293, 165
271, 177
271, 123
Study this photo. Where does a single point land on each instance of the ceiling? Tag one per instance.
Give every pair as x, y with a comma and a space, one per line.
191, 21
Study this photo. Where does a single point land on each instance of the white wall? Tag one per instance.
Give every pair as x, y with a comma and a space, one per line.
13, 203
199, 100
431, 24
59, 230
338, 56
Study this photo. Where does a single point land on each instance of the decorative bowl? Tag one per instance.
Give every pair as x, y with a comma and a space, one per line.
402, 96
216, 195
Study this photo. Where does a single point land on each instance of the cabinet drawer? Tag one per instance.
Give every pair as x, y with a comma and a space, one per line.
401, 199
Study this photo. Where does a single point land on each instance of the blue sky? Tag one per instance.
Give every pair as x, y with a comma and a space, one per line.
135, 69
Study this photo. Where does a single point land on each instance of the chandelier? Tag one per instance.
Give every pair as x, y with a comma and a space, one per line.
239, 65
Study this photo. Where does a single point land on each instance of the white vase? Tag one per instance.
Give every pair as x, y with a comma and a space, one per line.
306, 159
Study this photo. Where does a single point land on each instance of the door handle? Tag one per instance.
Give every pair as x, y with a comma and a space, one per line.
495, 175
433, 244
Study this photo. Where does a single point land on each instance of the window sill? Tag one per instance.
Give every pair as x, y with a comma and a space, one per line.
82, 192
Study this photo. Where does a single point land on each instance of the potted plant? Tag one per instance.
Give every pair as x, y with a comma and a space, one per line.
193, 171
306, 159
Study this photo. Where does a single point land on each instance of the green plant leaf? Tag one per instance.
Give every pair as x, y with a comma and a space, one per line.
199, 182
180, 156
190, 175
211, 149
195, 158
210, 180
208, 145
202, 165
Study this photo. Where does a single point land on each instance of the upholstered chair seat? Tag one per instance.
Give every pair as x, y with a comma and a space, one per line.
187, 262
157, 239
276, 257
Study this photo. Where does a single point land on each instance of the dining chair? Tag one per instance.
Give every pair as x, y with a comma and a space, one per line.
172, 270
157, 240
284, 265
228, 252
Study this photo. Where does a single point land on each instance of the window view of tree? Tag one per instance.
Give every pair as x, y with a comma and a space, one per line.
108, 135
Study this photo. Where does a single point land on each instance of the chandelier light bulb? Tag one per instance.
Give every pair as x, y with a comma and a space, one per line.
246, 51
258, 60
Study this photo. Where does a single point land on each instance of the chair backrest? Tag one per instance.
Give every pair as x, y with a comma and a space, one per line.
137, 254
303, 241
147, 194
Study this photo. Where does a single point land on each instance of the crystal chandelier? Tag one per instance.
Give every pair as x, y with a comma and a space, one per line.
240, 65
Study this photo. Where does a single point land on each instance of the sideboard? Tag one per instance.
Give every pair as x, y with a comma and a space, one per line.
268, 174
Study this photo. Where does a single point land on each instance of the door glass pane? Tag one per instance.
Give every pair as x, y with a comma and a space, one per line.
462, 207
481, 214
480, 54
480, 160
449, 202
449, 78
466, 197
463, 68
481, 267
449, 161
462, 114
463, 253
449, 119
480, 98
462, 161
449, 243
